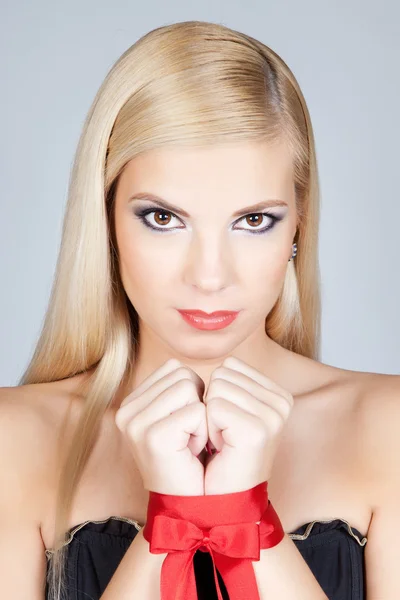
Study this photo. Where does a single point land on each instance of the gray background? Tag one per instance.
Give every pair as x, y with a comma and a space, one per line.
345, 56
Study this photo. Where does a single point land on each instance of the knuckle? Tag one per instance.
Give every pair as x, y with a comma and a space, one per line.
120, 419
184, 385
218, 372
198, 409
201, 407
287, 409
134, 428
276, 422
216, 390
230, 360
289, 397
173, 362
183, 371
213, 403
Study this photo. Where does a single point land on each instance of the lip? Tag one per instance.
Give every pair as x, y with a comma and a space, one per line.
208, 321
201, 313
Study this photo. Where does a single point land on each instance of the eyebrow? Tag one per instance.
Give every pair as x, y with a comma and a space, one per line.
248, 209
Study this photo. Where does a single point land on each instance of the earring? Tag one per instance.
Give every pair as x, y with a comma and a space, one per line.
294, 252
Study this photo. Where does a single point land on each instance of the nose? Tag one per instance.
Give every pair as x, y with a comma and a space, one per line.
209, 265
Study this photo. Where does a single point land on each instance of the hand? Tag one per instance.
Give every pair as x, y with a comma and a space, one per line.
164, 419
246, 412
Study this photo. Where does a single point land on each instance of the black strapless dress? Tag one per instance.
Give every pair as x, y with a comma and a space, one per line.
334, 551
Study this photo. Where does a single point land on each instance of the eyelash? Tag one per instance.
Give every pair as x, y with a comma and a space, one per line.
142, 213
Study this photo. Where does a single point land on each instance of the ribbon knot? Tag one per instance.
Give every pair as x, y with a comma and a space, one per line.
232, 531
240, 540
206, 544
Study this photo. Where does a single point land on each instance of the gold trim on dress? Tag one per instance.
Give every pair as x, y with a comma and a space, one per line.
293, 536
72, 532
304, 536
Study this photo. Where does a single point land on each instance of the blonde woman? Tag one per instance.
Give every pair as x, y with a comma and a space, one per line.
194, 188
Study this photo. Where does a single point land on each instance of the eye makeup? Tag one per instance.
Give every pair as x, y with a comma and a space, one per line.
142, 212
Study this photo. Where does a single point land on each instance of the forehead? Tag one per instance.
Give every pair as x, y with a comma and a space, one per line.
249, 171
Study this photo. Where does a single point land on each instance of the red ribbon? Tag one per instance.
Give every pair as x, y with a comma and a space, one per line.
225, 525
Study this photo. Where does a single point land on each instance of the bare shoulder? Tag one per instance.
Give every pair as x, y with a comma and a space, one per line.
27, 412
378, 417
373, 401
362, 411
24, 427
31, 420
378, 411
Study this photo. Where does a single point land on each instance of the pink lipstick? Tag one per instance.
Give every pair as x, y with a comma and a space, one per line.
208, 321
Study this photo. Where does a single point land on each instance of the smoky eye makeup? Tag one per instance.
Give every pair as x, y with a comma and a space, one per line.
142, 213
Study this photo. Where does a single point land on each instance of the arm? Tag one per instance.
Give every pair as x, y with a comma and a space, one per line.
380, 424
282, 573
24, 452
138, 574
22, 552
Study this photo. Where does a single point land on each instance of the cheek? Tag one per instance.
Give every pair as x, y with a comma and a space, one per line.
277, 271
143, 269
266, 270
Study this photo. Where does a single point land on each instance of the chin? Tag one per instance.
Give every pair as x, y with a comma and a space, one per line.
206, 349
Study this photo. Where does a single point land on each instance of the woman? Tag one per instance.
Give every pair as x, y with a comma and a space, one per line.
194, 187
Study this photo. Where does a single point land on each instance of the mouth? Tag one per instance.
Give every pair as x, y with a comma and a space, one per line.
201, 313
208, 321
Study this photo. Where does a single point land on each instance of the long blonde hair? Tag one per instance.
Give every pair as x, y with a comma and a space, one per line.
188, 83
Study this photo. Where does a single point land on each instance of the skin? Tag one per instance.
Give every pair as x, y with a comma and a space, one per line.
338, 454
210, 266
213, 261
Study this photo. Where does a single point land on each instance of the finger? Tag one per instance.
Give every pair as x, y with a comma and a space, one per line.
233, 363
247, 393
174, 431
236, 398
170, 366
175, 396
229, 421
137, 404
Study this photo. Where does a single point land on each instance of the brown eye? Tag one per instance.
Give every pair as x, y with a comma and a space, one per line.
257, 219
161, 221
162, 217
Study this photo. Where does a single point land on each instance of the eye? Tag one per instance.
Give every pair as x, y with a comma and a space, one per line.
162, 221
255, 219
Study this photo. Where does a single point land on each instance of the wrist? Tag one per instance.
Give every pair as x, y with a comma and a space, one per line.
144, 545
230, 526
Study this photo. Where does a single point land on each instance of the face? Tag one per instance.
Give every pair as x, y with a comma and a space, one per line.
210, 252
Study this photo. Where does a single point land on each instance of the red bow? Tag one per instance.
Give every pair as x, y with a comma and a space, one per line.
225, 525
